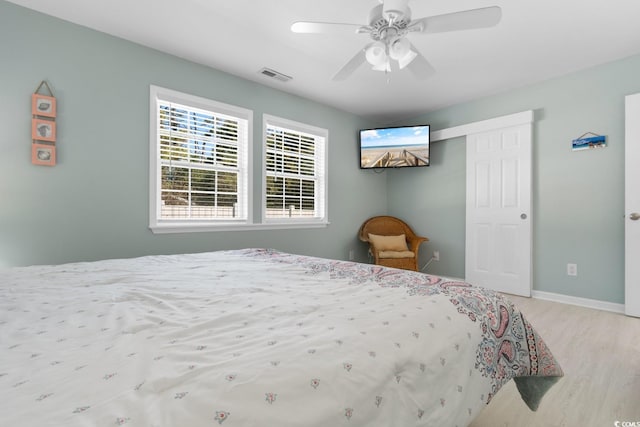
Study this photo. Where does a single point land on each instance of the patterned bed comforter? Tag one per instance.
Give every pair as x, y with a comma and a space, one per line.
256, 337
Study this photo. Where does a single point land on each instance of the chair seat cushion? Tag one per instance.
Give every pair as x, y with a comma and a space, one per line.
389, 243
396, 254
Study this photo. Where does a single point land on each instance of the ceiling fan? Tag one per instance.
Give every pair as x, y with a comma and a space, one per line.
389, 24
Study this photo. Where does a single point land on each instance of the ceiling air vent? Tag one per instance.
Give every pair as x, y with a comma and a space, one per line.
275, 75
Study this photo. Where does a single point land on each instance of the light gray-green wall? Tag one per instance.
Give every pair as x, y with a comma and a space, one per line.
94, 203
578, 197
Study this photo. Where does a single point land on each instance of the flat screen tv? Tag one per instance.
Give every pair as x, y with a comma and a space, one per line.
394, 147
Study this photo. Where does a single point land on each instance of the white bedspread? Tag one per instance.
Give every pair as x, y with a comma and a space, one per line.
253, 338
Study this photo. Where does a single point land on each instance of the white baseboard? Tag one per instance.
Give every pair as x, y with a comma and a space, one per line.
582, 302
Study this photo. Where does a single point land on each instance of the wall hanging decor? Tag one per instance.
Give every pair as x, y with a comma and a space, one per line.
585, 142
43, 154
43, 130
43, 126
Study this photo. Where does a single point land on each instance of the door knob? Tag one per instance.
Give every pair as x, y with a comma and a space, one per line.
634, 216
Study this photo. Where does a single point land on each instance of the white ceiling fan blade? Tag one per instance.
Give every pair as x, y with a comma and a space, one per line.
456, 21
420, 67
352, 65
325, 28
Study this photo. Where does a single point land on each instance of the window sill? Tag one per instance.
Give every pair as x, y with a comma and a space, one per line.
207, 228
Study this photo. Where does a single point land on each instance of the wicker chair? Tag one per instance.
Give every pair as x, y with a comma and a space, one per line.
383, 235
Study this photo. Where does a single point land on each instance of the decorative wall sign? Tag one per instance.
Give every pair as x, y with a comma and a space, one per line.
585, 142
43, 127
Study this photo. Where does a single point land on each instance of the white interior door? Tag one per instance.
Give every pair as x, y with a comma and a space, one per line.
498, 234
632, 205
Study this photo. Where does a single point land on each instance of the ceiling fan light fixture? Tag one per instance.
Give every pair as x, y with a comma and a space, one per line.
399, 48
376, 54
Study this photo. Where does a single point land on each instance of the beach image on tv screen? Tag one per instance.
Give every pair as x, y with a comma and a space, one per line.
394, 147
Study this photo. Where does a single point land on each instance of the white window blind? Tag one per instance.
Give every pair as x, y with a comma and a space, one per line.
295, 177
201, 161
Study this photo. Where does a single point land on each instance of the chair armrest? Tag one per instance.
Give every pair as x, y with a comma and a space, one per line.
374, 252
414, 243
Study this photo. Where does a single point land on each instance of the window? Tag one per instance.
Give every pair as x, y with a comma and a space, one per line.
294, 172
200, 174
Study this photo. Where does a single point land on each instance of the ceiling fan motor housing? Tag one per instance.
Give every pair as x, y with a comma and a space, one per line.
394, 10
383, 28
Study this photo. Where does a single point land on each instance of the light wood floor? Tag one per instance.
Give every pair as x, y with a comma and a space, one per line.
599, 353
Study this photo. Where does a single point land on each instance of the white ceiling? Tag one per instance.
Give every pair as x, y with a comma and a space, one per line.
536, 40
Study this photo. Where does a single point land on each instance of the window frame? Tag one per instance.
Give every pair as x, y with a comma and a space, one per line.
321, 196
160, 225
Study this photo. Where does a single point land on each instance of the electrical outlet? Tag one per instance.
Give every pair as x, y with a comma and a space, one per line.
436, 255
572, 269
351, 256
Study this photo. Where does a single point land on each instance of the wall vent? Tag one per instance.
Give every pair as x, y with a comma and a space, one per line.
275, 75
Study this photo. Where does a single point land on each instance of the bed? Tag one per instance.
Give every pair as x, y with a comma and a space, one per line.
256, 337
